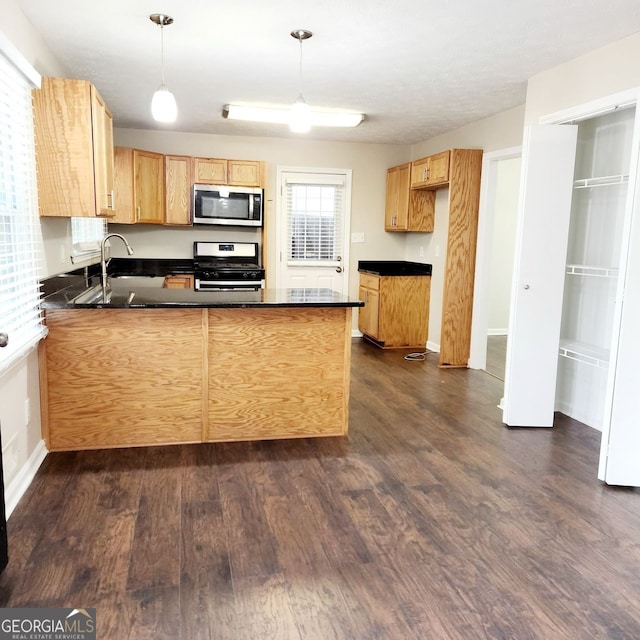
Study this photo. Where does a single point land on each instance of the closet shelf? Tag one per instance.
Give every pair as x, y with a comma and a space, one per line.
592, 271
603, 181
586, 353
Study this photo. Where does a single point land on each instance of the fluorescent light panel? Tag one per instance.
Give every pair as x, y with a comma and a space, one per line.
275, 115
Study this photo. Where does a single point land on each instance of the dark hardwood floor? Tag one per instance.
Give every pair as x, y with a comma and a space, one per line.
496, 356
431, 521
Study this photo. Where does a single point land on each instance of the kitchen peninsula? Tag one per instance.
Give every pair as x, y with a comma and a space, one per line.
147, 365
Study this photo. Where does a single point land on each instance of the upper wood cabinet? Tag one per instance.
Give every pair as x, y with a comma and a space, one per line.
244, 173
177, 183
407, 210
74, 149
432, 171
139, 186
237, 173
209, 171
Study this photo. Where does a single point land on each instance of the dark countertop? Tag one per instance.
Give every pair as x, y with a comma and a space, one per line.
126, 293
394, 268
137, 284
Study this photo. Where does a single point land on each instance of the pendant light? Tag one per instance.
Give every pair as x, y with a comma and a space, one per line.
163, 104
300, 116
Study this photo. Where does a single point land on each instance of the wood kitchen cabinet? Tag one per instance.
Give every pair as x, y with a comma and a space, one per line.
457, 301
368, 316
407, 210
74, 149
209, 171
178, 281
430, 172
177, 185
244, 173
139, 186
396, 311
237, 173
459, 171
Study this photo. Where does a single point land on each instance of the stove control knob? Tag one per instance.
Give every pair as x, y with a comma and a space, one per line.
245, 275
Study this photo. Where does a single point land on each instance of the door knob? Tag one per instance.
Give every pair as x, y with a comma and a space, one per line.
4, 339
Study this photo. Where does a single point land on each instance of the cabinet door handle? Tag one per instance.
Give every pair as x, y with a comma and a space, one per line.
110, 198
4, 339
338, 269
138, 214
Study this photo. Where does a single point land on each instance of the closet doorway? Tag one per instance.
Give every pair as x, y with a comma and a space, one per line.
494, 266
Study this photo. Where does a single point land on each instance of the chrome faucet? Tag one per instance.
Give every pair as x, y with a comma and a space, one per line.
104, 262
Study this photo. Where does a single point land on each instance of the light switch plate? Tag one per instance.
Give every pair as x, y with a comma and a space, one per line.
357, 238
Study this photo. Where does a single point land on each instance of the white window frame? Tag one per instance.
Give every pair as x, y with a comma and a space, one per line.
22, 322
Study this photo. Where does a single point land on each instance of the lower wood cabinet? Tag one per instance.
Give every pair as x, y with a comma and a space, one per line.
178, 281
396, 311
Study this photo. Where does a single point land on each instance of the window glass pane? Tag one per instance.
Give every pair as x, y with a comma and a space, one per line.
315, 214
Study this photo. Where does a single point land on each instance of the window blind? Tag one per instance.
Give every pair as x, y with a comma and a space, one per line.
20, 316
315, 214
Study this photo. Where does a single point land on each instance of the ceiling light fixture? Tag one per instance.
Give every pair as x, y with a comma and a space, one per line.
299, 116
163, 104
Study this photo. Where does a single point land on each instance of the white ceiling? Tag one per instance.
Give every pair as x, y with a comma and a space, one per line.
416, 68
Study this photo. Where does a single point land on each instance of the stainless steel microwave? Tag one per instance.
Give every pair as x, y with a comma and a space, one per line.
233, 206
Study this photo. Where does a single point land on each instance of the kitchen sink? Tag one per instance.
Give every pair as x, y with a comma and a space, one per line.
93, 295
137, 281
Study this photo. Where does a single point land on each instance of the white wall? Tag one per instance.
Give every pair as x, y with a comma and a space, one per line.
501, 131
368, 162
597, 74
22, 447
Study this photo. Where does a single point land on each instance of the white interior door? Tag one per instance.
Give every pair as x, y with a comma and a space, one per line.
620, 447
536, 299
313, 229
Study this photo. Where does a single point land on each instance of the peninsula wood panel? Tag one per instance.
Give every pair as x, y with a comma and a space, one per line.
457, 305
123, 377
278, 373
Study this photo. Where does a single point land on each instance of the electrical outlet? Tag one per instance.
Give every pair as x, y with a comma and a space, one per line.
422, 252
357, 238
437, 250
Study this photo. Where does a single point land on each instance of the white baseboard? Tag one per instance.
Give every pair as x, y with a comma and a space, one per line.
356, 334
18, 486
569, 409
433, 346
497, 332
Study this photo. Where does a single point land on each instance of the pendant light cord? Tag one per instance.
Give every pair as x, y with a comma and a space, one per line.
162, 53
300, 70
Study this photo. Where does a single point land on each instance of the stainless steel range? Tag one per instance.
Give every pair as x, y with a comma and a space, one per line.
227, 266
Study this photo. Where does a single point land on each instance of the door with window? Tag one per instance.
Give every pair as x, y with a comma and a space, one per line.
313, 228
